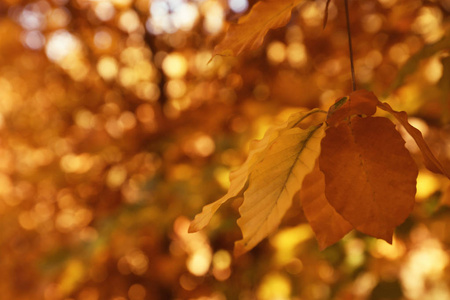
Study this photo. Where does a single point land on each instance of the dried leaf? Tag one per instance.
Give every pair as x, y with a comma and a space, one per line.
239, 177
369, 174
249, 32
274, 181
430, 160
328, 225
360, 102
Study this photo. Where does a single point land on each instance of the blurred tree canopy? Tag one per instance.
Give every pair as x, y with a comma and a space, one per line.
115, 131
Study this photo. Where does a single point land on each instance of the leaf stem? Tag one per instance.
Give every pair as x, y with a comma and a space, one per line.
350, 45
316, 110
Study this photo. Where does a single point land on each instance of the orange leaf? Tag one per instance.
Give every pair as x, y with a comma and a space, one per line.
430, 160
360, 102
328, 226
369, 174
249, 32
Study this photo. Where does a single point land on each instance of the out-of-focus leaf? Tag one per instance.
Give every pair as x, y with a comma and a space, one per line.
274, 181
444, 84
249, 32
369, 174
72, 276
412, 64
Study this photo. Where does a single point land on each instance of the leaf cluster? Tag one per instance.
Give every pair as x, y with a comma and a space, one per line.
352, 169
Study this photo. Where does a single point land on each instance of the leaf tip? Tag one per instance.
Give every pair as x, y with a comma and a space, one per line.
323, 246
388, 239
193, 227
239, 248
386, 236
200, 221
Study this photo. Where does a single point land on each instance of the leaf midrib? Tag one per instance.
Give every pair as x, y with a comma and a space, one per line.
290, 171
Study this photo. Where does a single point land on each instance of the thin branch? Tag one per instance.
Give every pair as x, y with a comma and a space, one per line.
325, 15
350, 45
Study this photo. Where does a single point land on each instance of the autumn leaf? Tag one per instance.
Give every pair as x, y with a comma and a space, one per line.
328, 225
274, 181
249, 32
430, 160
369, 174
360, 102
239, 177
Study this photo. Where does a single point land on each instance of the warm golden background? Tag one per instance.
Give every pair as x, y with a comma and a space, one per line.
115, 131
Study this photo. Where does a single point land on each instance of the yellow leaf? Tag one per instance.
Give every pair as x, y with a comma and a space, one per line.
249, 32
72, 277
273, 182
328, 225
370, 177
239, 177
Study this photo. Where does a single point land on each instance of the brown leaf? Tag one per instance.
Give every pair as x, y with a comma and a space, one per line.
360, 102
429, 159
369, 174
249, 32
328, 225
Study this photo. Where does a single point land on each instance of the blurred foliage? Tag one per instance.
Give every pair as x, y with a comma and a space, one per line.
115, 131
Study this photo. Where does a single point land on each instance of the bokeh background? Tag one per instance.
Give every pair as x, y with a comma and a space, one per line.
115, 131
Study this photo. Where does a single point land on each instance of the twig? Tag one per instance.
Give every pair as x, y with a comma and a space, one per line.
350, 45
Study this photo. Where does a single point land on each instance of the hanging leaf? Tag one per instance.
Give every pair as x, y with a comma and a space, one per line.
430, 160
239, 177
369, 174
360, 102
248, 34
328, 225
274, 181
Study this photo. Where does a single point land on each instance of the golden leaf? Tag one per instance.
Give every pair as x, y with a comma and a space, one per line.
249, 32
274, 181
239, 177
